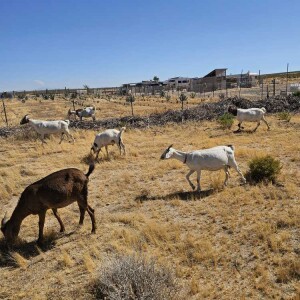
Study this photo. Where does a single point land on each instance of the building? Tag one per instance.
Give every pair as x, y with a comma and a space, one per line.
214, 80
246, 80
144, 87
178, 83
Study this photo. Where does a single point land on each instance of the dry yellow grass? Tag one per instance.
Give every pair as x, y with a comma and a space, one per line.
241, 242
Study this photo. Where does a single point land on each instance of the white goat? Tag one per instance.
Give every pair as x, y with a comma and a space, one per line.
212, 159
249, 115
87, 112
48, 127
108, 137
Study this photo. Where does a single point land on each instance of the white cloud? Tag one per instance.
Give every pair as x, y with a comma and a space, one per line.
39, 82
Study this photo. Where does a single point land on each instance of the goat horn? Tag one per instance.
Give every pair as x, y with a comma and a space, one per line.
4, 220
170, 147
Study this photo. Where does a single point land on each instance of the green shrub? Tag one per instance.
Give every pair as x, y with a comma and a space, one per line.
284, 116
130, 98
263, 169
168, 97
74, 95
193, 95
297, 94
183, 97
162, 94
134, 277
226, 120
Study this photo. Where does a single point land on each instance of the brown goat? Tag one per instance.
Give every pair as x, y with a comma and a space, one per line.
56, 190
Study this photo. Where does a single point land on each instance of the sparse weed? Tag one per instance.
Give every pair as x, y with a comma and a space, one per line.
18, 260
134, 277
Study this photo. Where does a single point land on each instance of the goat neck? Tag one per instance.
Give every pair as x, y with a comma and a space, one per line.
180, 155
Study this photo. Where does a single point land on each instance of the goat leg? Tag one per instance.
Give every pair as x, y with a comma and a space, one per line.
62, 227
42, 216
188, 178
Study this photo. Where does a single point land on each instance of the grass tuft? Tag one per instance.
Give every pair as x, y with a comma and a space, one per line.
263, 169
134, 277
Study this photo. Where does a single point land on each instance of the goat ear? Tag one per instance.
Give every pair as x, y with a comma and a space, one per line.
169, 153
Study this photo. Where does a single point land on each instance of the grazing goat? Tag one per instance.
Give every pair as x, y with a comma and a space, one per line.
212, 159
57, 190
249, 115
108, 137
48, 127
87, 112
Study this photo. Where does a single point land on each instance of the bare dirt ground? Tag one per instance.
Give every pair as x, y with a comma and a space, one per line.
241, 242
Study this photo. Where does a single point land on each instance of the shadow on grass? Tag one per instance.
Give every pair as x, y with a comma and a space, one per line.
185, 196
27, 250
238, 131
90, 158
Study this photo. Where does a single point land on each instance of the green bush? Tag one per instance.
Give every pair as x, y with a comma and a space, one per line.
297, 94
74, 95
162, 94
183, 97
263, 169
284, 116
193, 95
226, 120
168, 97
130, 98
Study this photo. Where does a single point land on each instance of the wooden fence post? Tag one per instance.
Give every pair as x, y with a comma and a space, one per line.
4, 109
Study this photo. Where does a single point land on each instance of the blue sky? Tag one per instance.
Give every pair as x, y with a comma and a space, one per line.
58, 43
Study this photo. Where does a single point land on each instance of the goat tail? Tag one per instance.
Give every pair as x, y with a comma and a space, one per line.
67, 121
91, 169
231, 146
264, 110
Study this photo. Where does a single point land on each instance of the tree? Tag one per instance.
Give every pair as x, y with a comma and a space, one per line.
130, 98
155, 78
87, 88
182, 98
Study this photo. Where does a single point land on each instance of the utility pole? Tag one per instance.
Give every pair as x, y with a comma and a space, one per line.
287, 78
226, 84
240, 84
262, 87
